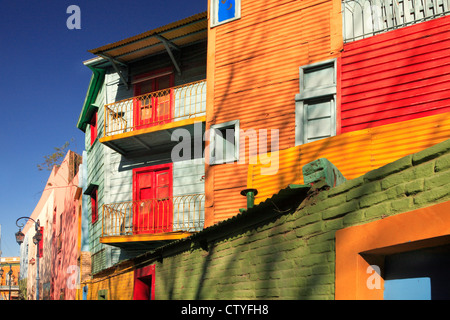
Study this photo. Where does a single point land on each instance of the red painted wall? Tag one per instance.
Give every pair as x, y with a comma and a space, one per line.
395, 76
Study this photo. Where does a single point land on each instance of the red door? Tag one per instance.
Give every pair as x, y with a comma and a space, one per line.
157, 108
153, 209
144, 283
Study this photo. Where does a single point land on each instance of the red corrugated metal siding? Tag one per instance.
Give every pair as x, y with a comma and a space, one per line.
396, 76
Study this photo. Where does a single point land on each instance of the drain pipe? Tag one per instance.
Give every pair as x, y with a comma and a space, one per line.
250, 194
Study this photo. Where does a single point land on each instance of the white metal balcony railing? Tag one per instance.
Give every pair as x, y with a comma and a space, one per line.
365, 18
179, 213
159, 107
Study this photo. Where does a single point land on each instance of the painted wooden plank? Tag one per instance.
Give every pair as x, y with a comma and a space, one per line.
356, 95
396, 83
420, 44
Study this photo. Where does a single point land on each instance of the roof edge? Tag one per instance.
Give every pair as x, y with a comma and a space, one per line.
173, 25
98, 75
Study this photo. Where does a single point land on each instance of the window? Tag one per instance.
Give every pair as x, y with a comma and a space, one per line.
315, 105
93, 127
103, 294
92, 192
94, 205
41, 243
153, 109
59, 238
223, 11
224, 142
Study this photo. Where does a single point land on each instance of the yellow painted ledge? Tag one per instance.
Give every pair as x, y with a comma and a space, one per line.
166, 126
176, 235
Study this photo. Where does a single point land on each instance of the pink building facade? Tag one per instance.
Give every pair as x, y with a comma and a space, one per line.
58, 212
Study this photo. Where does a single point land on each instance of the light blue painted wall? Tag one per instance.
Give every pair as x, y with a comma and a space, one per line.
84, 205
408, 289
113, 172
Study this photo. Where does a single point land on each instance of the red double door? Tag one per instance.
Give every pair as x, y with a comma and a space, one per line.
156, 108
152, 195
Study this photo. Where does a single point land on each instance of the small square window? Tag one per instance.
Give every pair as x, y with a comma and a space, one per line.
223, 11
103, 294
315, 105
224, 142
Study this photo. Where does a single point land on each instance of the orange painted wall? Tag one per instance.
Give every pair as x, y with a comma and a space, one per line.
5, 264
382, 237
253, 76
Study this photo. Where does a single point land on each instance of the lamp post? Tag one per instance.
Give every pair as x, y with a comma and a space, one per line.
1, 272
36, 239
10, 274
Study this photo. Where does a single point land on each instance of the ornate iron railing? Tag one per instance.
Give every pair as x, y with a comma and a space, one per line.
159, 107
365, 18
179, 213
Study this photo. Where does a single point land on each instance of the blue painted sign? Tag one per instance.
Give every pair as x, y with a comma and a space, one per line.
227, 10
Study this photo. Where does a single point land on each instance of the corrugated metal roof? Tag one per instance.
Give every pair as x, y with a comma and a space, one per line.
180, 33
277, 204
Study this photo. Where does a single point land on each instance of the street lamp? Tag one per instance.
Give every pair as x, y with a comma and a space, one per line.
36, 239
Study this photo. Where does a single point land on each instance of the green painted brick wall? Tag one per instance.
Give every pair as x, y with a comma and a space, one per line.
292, 255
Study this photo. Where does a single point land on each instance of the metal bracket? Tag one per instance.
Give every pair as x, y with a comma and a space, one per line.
169, 47
114, 63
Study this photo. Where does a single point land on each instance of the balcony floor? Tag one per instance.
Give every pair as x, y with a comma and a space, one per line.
155, 139
144, 241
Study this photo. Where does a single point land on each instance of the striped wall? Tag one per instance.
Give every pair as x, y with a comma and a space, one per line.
253, 77
95, 154
395, 76
353, 153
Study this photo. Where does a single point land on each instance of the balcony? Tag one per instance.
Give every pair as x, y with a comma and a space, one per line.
365, 18
152, 221
145, 123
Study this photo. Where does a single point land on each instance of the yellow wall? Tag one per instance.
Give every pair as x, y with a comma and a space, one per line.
354, 153
119, 285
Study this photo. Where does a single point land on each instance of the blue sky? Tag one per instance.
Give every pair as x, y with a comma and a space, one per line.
43, 83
